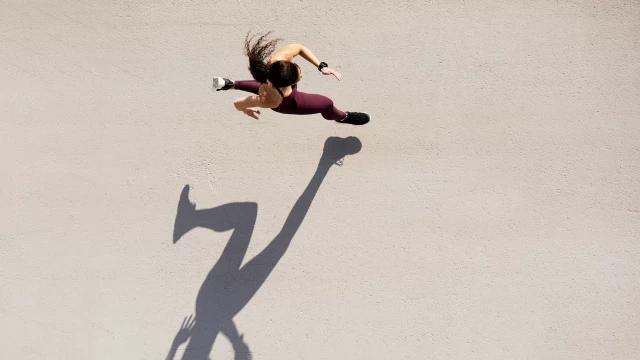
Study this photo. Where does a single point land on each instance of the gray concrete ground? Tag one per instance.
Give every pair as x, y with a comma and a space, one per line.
492, 211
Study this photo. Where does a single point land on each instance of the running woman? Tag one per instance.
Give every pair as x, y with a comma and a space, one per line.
275, 84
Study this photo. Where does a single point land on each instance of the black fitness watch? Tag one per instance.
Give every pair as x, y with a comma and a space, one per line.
322, 66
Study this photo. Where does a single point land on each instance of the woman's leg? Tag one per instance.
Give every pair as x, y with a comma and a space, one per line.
306, 104
251, 86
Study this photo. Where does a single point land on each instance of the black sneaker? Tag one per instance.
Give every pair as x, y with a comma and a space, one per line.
355, 118
221, 84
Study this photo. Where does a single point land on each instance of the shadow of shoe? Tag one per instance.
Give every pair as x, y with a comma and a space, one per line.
336, 148
184, 216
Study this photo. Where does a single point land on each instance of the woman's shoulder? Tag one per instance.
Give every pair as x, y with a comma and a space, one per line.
268, 93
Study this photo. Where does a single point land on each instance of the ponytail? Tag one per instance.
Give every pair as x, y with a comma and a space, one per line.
258, 54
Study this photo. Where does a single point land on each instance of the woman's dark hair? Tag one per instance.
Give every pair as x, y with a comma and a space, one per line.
279, 73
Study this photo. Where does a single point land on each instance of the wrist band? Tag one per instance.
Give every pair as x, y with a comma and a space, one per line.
322, 65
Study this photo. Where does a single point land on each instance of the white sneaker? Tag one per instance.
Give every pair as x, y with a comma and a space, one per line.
220, 83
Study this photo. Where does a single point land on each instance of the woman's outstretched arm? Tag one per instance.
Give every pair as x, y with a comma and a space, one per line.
290, 51
287, 53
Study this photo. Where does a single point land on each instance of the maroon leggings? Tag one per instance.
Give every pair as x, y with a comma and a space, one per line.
298, 103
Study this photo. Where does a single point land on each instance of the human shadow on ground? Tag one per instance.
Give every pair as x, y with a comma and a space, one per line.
228, 287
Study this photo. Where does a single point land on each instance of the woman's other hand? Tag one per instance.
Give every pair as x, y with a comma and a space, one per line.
252, 112
329, 71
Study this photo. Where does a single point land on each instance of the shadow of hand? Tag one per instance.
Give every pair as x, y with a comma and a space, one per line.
185, 331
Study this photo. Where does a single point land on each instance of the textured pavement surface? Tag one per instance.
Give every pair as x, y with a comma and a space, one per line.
492, 211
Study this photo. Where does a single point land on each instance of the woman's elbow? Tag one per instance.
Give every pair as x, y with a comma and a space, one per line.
238, 104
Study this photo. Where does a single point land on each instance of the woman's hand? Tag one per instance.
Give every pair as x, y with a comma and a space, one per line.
329, 71
252, 112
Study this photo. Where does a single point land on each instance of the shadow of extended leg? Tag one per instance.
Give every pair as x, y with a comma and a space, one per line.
212, 303
239, 217
254, 273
